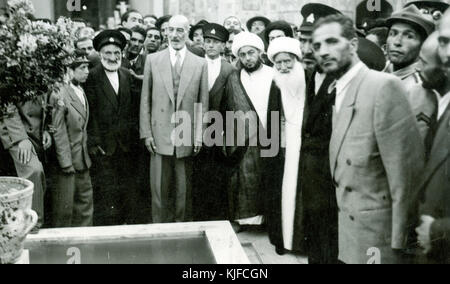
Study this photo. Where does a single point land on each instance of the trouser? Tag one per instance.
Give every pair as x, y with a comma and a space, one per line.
113, 182
72, 200
171, 186
34, 172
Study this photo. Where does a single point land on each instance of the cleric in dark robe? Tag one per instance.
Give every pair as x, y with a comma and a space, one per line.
251, 91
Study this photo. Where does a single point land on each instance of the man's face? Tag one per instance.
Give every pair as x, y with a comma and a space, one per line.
136, 43
258, 27
250, 58
165, 30
229, 45
233, 25
178, 33
153, 41
309, 61
333, 52
86, 46
111, 57
134, 19
284, 62
198, 38
444, 42
81, 73
149, 22
213, 47
87, 32
276, 34
403, 45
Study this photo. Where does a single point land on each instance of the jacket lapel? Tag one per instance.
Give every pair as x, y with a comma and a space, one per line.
108, 89
342, 120
220, 80
76, 103
440, 149
165, 70
187, 73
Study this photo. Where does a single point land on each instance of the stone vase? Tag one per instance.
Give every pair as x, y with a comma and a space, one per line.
16, 217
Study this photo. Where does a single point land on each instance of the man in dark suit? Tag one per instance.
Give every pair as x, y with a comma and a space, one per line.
434, 232
108, 89
174, 100
209, 171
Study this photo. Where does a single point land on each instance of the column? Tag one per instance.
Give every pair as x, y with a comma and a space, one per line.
44, 9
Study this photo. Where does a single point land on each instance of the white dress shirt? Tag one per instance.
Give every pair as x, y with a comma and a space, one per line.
319, 78
214, 66
257, 85
343, 84
113, 78
173, 55
80, 94
443, 104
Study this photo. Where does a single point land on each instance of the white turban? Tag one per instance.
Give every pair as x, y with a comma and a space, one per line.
284, 44
246, 39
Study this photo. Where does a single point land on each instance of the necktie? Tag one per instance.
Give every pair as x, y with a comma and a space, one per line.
178, 63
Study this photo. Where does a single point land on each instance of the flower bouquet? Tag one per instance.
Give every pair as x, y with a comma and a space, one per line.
33, 55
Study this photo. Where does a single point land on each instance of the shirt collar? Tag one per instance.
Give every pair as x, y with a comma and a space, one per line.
218, 59
173, 52
343, 82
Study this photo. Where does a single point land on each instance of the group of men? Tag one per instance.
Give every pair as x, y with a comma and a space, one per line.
337, 143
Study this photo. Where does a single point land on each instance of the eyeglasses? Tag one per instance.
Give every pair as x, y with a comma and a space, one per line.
436, 14
177, 30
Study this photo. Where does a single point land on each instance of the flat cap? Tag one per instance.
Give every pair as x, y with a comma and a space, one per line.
312, 12
110, 37
411, 15
216, 31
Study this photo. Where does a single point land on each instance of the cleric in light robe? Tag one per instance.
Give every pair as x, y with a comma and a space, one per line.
284, 223
251, 90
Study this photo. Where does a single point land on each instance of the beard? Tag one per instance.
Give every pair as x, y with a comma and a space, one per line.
250, 70
292, 83
111, 66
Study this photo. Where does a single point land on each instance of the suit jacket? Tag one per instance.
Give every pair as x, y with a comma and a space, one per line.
70, 120
216, 94
162, 113
435, 194
23, 121
376, 153
111, 118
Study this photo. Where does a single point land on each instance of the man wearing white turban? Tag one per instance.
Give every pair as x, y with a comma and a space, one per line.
285, 229
251, 91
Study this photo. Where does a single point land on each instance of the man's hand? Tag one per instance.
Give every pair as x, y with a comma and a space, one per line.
150, 144
424, 233
138, 77
97, 151
26, 151
69, 171
46, 140
197, 150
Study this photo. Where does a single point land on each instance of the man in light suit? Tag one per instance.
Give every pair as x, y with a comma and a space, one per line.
173, 102
376, 152
72, 197
434, 232
23, 134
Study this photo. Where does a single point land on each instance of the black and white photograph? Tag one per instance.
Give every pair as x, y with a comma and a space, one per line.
244, 133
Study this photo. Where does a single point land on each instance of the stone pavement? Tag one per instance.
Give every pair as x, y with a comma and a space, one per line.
260, 251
